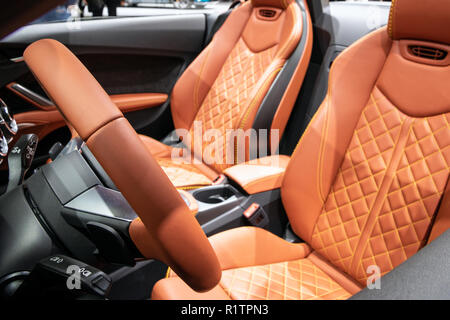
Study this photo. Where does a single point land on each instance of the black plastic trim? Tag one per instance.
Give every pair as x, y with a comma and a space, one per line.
271, 102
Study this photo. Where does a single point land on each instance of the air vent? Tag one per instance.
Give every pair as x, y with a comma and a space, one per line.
428, 52
267, 13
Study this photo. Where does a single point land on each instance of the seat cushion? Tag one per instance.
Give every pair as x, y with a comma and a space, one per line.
182, 175
259, 265
290, 280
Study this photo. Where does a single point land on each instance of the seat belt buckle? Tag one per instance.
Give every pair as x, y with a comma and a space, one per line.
256, 215
219, 180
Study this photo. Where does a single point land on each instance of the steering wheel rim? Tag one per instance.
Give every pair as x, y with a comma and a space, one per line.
165, 229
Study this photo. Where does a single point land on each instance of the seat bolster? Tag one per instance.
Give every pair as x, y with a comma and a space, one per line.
155, 147
235, 248
251, 246
345, 281
181, 175
175, 289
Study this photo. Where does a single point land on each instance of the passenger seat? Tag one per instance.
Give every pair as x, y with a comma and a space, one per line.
247, 77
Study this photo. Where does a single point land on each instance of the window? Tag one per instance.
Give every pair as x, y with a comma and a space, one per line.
88, 9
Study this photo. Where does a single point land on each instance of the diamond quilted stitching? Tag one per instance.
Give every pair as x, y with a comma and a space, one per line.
412, 198
291, 280
356, 185
181, 174
414, 192
230, 95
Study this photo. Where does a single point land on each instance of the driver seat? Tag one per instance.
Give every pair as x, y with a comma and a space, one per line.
367, 186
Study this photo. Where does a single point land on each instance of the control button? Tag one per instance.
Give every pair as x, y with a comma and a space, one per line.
256, 215
219, 180
7, 123
3, 147
250, 211
101, 283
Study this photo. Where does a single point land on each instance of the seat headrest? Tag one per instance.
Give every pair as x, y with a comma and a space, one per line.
427, 20
282, 4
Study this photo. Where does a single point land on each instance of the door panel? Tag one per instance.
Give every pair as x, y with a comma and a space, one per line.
137, 60
169, 33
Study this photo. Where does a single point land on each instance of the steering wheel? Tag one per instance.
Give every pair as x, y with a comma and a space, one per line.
165, 229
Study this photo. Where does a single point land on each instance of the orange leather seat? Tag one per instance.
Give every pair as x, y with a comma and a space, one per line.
226, 84
364, 184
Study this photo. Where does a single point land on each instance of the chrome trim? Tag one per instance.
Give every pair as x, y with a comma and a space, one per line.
8, 124
17, 60
37, 98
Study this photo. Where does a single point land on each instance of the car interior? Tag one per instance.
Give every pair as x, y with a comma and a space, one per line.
345, 186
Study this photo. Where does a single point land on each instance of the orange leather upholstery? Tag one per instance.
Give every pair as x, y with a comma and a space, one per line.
182, 175
225, 85
137, 101
259, 265
412, 20
125, 102
371, 202
259, 175
363, 185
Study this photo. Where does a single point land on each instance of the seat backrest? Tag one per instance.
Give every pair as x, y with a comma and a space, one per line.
226, 84
367, 176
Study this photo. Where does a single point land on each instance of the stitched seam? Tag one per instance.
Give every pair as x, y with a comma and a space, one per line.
391, 19
257, 96
102, 126
197, 84
324, 137
276, 123
243, 122
316, 233
387, 181
297, 30
220, 71
272, 177
320, 110
310, 288
286, 46
192, 187
363, 229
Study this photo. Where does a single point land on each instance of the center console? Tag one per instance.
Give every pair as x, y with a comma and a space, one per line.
79, 212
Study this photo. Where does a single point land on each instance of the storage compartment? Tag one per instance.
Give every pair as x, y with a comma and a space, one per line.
215, 194
215, 203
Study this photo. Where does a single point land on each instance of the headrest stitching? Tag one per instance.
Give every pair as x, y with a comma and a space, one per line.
391, 19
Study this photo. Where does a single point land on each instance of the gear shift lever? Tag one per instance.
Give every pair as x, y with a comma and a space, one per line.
20, 159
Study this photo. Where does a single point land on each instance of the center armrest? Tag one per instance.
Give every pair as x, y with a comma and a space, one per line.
259, 175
